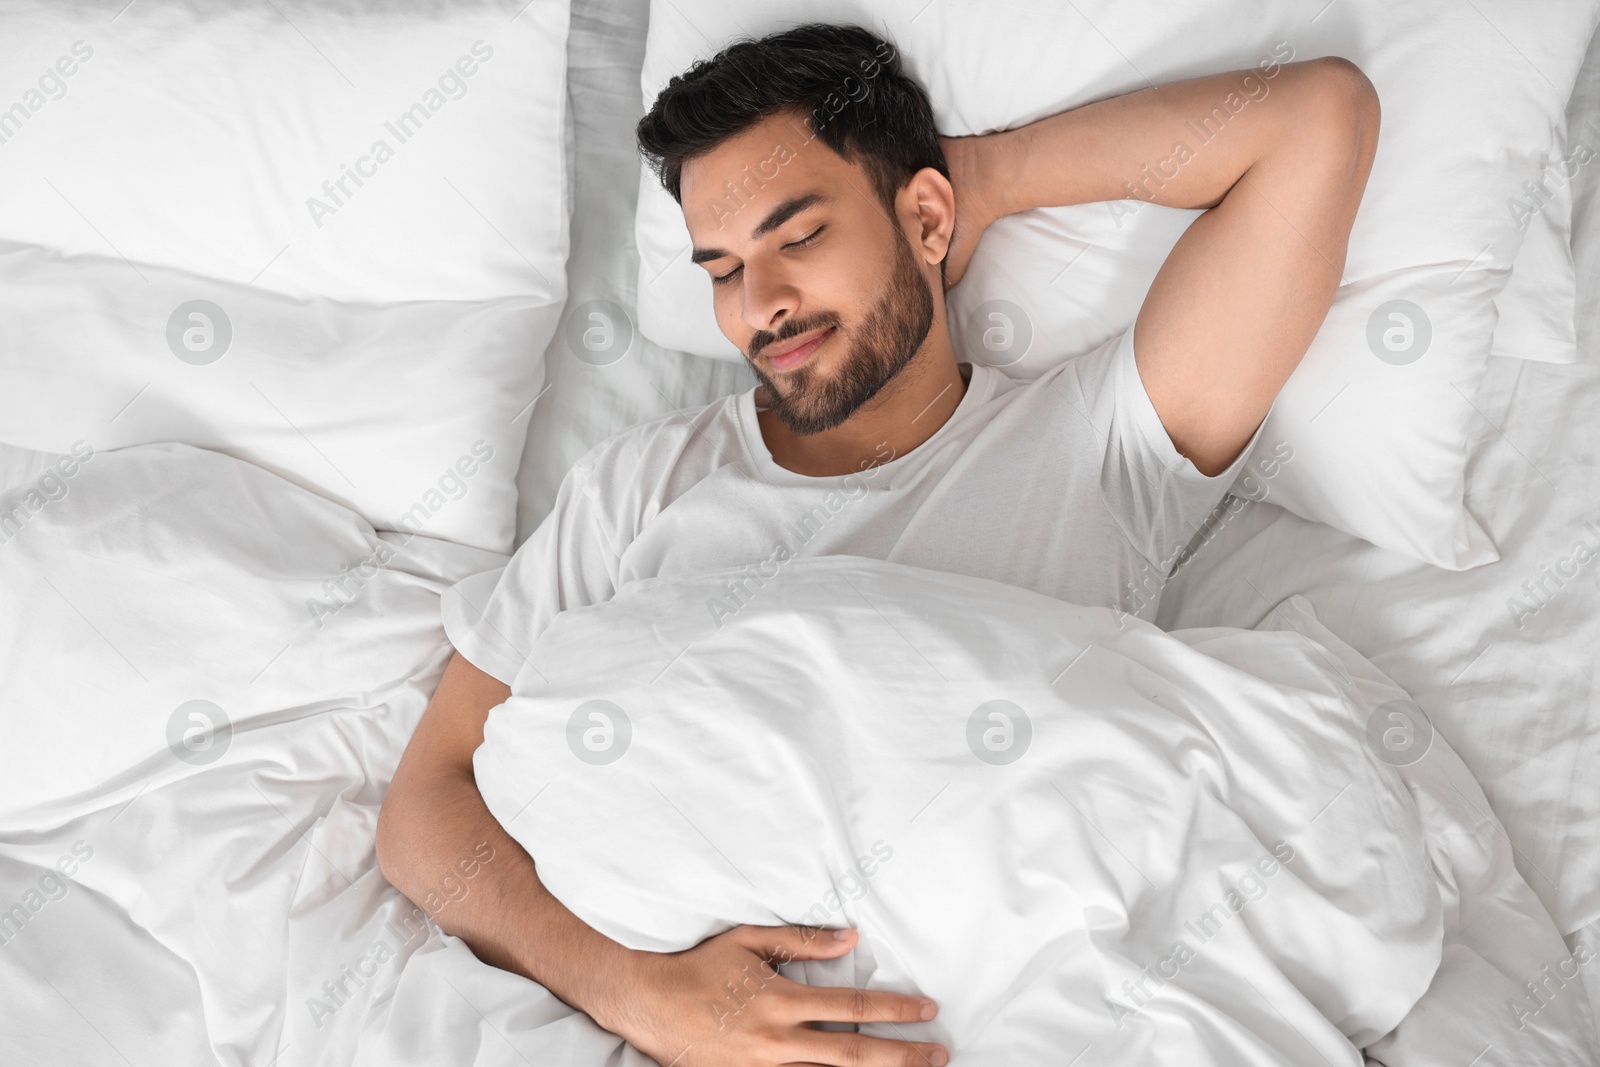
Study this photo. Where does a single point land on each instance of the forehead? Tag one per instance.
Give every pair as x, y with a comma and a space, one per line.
726, 192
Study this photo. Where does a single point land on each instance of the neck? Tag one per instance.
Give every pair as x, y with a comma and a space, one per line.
901, 416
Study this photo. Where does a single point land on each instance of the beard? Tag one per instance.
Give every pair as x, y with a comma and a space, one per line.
890, 335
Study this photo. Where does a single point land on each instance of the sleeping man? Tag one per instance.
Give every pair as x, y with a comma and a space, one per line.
831, 217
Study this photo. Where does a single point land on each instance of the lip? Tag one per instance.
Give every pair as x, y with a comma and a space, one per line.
797, 350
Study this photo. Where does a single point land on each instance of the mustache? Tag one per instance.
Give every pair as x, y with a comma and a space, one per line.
791, 328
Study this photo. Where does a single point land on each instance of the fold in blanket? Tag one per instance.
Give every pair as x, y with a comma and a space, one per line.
1081, 835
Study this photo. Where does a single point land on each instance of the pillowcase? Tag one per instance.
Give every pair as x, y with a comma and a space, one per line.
411, 413
1380, 409
354, 149
326, 237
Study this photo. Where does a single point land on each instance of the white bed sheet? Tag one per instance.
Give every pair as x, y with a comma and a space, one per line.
225, 906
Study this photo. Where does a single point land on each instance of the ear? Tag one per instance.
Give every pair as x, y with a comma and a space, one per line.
927, 208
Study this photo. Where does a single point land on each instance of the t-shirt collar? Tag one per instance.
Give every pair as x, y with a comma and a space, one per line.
979, 388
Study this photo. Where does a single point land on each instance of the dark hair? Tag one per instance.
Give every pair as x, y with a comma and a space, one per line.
849, 81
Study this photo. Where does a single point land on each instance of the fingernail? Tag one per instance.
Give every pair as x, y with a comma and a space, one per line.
842, 935
929, 1010
939, 1058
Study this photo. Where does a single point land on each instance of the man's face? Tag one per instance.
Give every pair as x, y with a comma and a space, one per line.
811, 278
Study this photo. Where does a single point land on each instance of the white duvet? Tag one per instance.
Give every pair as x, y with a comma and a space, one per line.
1081, 835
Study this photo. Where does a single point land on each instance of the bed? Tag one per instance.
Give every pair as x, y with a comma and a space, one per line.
229, 909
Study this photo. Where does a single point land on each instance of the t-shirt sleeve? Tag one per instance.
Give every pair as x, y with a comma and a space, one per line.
570, 560
1158, 497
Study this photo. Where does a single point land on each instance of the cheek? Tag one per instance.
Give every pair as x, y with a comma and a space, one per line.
838, 286
730, 318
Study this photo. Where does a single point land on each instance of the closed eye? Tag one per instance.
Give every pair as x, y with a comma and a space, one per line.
805, 242
808, 239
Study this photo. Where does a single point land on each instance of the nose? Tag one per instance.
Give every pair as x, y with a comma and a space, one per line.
770, 296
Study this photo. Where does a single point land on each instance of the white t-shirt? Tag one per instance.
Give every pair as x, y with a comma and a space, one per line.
1067, 485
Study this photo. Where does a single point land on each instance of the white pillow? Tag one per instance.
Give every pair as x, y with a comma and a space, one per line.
212, 137
411, 414
1379, 445
372, 342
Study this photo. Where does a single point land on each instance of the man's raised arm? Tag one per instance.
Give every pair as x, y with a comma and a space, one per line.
1280, 155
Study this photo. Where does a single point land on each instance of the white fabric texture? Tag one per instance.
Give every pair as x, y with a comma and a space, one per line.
1022, 804
375, 340
1583, 118
1378, 420
354, 150
412, 414
140, 563
1535, 314
224, 906
1111, 504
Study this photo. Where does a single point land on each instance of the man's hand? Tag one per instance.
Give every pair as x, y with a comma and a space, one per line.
723, 1004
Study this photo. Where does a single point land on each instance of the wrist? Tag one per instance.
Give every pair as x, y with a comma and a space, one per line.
977, 166
619, 985
553, 946
1006, 152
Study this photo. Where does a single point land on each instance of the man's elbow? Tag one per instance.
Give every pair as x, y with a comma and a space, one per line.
396, 839
388, 838
1345, 102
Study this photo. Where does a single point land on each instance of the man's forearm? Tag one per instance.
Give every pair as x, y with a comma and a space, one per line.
1183, 145
506, 915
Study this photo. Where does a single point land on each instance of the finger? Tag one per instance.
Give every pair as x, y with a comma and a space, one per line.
779, 944
811, 1004
859, 1050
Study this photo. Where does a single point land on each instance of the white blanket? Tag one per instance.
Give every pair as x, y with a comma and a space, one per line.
1081, 835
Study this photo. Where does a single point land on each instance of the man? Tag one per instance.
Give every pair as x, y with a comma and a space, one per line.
830, 217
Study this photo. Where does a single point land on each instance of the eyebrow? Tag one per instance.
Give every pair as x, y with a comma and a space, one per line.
775, 218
